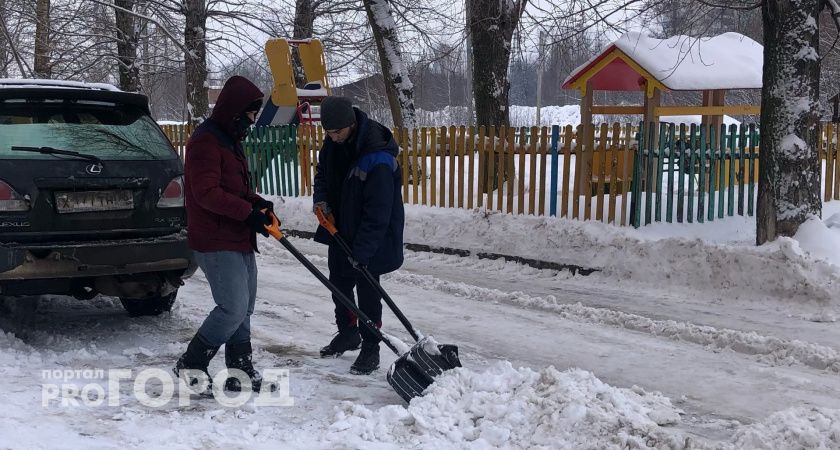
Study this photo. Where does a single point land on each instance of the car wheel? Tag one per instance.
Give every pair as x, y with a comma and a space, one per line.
153, 306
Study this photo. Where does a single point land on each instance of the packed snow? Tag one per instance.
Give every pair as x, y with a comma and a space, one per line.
687, 336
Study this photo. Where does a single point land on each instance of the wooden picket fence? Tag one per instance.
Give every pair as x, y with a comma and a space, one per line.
683, 173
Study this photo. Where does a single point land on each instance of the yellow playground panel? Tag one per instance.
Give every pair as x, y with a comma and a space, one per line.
290, 104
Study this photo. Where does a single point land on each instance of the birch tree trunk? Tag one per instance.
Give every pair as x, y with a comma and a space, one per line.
127, 41
789, 165
195, 58
398, 86
41, 67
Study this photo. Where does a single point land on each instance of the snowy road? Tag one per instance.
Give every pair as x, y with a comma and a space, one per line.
724, 362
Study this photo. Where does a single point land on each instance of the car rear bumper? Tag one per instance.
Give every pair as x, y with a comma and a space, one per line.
20, 261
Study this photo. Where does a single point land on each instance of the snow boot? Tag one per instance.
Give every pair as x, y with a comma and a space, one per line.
196, 358
346, 340
238, 356
368, 359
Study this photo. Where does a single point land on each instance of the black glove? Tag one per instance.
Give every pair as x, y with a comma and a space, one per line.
257, 220
264, 204
323, 206
356, 264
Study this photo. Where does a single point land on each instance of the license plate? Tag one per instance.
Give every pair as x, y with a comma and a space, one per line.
89, 201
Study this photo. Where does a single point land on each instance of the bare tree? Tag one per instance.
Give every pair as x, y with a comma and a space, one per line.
195, 57
398, 86
4, 42
303, 28
42, 39
789, 169
491, 24
127, 41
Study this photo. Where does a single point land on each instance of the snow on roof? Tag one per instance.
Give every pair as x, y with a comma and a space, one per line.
65, 84
726, 61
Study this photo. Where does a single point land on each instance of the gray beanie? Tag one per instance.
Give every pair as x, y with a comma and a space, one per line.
336, 113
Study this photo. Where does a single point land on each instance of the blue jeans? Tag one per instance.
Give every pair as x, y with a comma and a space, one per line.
233, 283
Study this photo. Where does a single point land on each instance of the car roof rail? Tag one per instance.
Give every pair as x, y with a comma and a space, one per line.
53, 84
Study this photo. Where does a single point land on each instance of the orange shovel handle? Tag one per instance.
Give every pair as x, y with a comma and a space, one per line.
274, 228
326, 220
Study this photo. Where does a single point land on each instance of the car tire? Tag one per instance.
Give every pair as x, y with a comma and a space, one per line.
154, 306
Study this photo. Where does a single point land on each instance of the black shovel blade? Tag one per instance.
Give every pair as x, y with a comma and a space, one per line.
416, 370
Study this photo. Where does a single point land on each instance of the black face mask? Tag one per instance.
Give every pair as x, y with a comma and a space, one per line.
242, 125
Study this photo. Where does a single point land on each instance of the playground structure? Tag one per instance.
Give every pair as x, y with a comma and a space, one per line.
635, 62
288, 103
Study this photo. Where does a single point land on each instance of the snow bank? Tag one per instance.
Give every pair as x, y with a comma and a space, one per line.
814, 428
781, 269
515, 407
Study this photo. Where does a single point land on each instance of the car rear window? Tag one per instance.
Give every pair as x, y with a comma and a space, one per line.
108, 131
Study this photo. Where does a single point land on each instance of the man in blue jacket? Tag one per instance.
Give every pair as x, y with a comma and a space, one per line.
359, 181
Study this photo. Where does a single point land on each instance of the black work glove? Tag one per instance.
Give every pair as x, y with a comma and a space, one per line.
258, 220
264, 204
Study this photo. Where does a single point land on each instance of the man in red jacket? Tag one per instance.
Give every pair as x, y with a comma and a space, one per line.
223, 217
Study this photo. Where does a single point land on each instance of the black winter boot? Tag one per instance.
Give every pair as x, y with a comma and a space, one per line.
197, 357
346, 340
368, 359
238, 356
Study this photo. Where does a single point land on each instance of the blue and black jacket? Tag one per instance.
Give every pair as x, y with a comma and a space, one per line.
361, 181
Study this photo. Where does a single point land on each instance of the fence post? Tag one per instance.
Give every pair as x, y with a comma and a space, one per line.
552, 200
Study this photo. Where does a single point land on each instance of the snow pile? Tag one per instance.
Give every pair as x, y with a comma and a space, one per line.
814, 428
505, 406
779, 269
821, 239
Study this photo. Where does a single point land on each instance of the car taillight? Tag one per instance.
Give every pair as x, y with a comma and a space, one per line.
10, 200
173, 195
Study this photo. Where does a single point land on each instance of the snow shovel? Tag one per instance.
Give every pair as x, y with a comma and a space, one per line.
414, 371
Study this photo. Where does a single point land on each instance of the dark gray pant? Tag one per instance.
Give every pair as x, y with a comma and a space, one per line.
369, 302
233, 283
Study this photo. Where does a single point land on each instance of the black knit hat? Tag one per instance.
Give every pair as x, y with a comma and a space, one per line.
337, 113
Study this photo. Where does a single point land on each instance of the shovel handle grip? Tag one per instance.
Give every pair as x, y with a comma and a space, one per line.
326, 220
274, 228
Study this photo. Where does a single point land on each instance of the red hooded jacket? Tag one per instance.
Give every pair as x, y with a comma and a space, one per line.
218, 198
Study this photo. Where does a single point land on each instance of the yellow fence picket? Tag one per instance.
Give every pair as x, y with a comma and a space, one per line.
543, 165
470, 152
482, 166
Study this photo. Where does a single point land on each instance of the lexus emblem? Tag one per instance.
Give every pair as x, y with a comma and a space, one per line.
94, 169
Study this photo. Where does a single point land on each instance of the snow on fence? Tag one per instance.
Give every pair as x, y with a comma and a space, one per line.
683, 174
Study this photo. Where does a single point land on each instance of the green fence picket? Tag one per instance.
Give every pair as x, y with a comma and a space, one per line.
289, 165
753, 157
701, 185
681, 177
636, 180
660, 160
291, 145
669, 201
742, 149
721, 170
692, 160
649, 176
713, 175
730, 203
